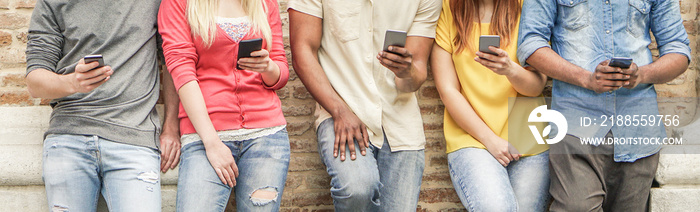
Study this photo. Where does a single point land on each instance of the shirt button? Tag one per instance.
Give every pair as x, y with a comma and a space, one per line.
610, 92
571, 2
607, 31
644, 10
607, 2
370, 29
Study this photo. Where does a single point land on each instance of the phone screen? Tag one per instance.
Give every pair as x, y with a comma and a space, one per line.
394, 38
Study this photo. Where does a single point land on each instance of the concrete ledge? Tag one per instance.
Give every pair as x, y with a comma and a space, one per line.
675, 199
678, 168
21, 165
23, 125
33, 198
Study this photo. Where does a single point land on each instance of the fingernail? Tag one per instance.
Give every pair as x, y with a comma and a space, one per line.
627, 83
391, 48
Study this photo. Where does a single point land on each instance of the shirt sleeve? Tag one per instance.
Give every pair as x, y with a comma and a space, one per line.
277, 53
178, 46
443, 38
668, 29
44, 39
536, 24
311, 7
426, 18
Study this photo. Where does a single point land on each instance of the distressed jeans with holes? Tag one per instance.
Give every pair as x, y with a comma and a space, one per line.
77, 168
380, 181
262, 166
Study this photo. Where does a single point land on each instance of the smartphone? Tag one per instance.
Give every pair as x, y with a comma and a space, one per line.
94, 58
394, 38
489, 40
620, 62
245, 47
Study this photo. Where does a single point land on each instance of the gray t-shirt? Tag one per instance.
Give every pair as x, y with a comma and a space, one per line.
125, 33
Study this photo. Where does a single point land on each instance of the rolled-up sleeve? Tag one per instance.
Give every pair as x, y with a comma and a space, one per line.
426, 19
277, 53
178, 46
536, 24
668, 29
310, 7
44, 39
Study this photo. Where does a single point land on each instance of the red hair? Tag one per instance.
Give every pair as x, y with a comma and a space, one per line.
503, 20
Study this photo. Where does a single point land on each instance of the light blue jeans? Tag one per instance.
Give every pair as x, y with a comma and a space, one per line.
483, 184
76, 168
380, 181
262, 165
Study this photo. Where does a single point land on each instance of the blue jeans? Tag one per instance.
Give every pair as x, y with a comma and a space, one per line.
380, 181
76, 168
483, 184
262, 165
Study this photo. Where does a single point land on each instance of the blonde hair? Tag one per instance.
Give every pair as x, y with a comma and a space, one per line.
201, 16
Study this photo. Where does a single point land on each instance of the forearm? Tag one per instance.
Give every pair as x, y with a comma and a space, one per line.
412, 83
171, 123
196, 109
272, 76
316, 82
46, 84
664, 69
548, 62
465, 116
526, 82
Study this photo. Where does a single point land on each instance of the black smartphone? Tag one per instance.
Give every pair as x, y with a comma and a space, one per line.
620, 62
245, 47
94, 58
394, 38
489, 40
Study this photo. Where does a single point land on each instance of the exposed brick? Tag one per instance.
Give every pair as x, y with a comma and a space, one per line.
689, 26
22, 37
303, 144
312, 198
305, 162
438, 160
429, 91
298, 127
16, 98
432, 109
4, 4
12, 80
13, 21
300, 92
294, 180
283, 93
45, 102
439, 178
297, 110
10, 55
318, 181
25, 4
434, 195
5, 39
430, 126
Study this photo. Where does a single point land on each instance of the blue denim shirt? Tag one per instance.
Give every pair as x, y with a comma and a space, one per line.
587, 32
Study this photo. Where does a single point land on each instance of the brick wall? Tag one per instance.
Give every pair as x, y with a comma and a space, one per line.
307, 187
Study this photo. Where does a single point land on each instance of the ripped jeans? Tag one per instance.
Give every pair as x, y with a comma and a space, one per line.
262, 166
76, 168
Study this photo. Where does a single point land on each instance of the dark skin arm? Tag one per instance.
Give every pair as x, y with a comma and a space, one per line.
170, 137
409, 64
305, 38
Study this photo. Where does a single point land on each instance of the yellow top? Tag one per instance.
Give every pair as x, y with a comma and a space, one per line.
487, 92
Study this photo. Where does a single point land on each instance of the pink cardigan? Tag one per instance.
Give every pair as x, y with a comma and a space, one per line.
235, 99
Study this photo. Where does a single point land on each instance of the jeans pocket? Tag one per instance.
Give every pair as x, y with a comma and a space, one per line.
574, 14
344, 19
638, 17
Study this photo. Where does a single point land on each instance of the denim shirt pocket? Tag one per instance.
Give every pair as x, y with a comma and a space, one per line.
574, 14
638, 17
344, 19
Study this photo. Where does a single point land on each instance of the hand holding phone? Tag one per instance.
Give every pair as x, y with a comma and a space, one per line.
90, 74
94, 58
394, 56
246, 47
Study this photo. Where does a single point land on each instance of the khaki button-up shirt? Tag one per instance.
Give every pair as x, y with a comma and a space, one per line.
353, 34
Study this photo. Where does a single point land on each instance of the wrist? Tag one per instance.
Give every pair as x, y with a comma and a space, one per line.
512, 70
69, 79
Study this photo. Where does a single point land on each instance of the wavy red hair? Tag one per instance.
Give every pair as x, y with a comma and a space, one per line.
465, 14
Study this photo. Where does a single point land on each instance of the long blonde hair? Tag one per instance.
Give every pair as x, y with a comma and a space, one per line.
201, 15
